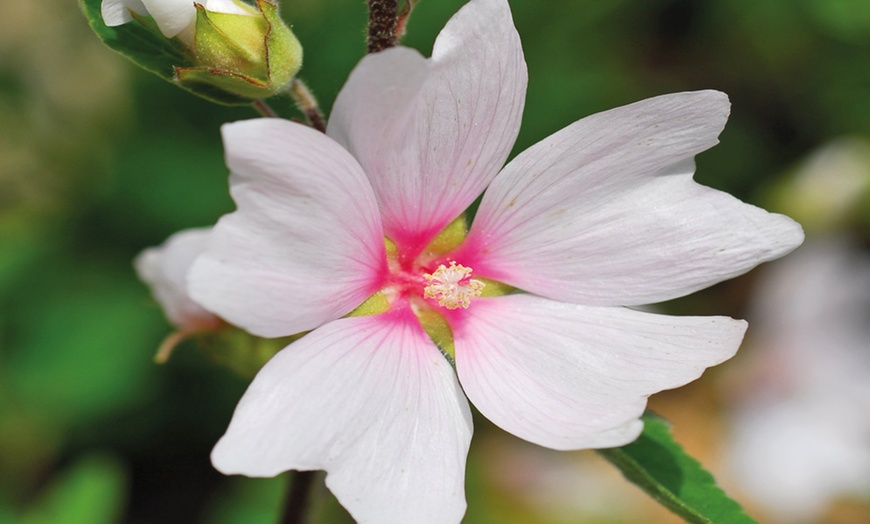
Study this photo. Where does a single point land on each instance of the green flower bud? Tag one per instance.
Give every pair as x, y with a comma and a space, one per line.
228, 51
250, 56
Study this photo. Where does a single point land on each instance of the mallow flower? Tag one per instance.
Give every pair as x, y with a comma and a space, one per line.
356, 238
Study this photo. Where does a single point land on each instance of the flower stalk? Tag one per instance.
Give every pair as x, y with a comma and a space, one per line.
402, 19
264, 109
297, 505
383, 21
307, 104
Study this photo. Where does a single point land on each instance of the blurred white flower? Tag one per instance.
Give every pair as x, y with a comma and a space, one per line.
801, 431
830, 186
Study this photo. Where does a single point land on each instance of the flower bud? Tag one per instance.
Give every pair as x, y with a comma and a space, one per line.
164, 268
236, 51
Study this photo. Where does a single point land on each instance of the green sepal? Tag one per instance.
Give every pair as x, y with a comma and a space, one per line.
232, 42
494, 288
657, 464
374, 305
283, 50
436, 326
391, 248
448, 238
239, 351
216, 84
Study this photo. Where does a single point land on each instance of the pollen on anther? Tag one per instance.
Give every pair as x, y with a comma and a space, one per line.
451, 286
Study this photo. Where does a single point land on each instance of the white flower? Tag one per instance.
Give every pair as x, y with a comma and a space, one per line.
801, 435
602, 214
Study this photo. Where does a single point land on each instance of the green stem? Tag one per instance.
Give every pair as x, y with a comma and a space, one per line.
297, 505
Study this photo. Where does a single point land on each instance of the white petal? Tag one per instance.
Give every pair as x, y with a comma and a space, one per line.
165, 268
117, 12
305, 245
566, 376
432, 134
371, 401
235, 7
605, 212
172, 16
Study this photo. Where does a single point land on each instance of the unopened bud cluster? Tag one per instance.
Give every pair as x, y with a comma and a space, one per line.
233, 47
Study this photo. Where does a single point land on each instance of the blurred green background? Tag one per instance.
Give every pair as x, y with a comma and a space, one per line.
99, 159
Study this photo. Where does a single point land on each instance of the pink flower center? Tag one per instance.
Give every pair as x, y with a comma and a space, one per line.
446, 284
452, 286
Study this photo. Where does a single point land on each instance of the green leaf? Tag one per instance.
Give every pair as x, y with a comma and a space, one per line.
92, 491
84, 343
249, 501
660, 466
143, 43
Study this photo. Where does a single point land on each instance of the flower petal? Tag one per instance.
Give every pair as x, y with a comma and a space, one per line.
567, 376
172, 16
605, 212
164, 269
305, 245
432, 134
234, 7
117, 12
371, 401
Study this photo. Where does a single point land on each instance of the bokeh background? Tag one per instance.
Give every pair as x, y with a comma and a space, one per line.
99, 159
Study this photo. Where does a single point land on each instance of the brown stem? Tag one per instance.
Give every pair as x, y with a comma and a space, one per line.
168, 345
177, 337
383, 20
264, 109
306, 103
297, 506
